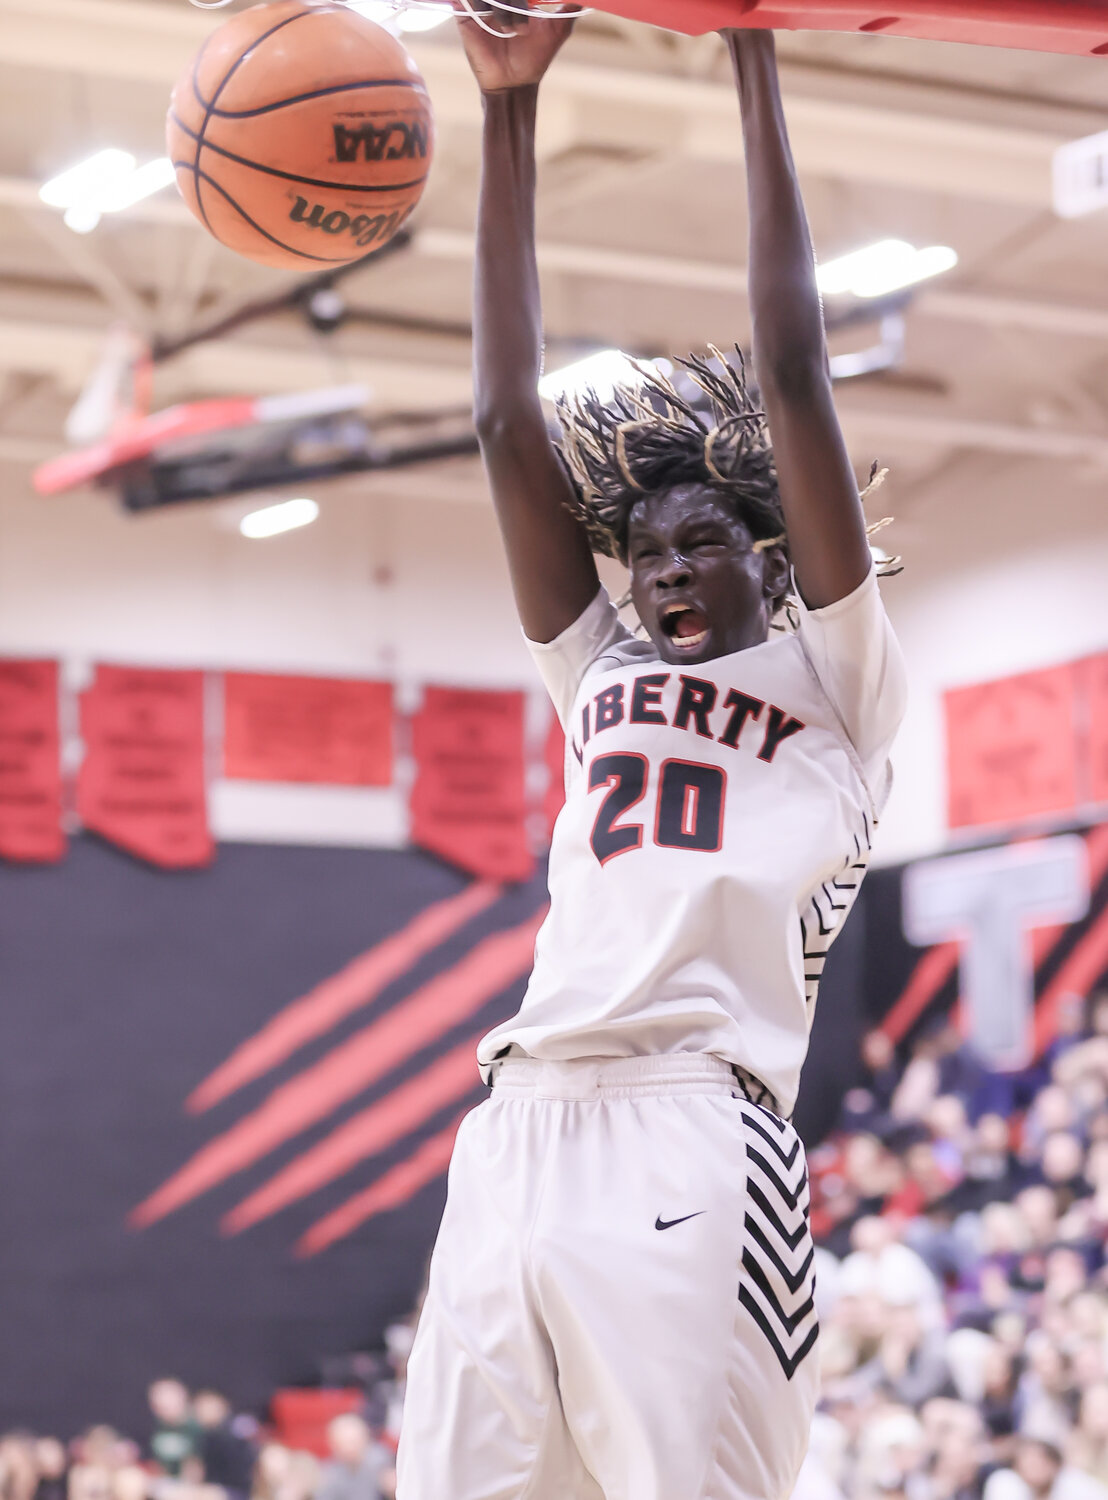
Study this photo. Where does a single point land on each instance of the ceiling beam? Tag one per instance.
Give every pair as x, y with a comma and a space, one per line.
935, 430
67, 353
83, 259
1069, 320
937, 151
933, 301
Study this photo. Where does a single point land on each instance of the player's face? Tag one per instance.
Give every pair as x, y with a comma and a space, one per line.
698, 585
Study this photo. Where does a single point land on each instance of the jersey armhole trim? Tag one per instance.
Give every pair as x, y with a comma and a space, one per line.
852, 755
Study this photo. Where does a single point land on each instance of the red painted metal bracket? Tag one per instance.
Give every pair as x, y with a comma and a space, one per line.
1075, 26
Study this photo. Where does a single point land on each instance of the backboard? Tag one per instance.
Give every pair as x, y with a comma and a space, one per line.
1075, 26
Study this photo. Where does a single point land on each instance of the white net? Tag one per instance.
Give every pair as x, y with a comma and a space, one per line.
423, 15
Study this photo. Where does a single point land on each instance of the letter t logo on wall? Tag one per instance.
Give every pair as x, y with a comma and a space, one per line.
988, 901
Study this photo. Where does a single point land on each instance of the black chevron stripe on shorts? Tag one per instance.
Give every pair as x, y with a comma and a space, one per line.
778, 1282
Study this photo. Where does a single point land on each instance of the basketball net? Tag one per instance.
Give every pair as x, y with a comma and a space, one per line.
479, 11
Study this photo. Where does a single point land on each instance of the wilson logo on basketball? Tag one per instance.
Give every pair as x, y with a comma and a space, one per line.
366, 229
402, 140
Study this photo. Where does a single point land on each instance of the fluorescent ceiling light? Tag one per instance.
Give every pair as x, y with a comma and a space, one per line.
142, 183
271, 520
82, 220
88, 180
106, 183
600, 373
885, 267
420, 17
1081, 176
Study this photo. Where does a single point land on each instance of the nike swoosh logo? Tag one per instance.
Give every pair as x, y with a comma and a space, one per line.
660, 1223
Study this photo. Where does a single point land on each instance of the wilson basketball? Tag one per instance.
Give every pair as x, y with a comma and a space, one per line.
302, 134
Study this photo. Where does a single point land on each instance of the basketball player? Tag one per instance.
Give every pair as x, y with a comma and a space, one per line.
621, 1297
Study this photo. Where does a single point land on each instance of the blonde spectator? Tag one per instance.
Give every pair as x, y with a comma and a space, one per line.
893, 1449
283, 1474
99, 1454
18, 1471
132, 1482
880, 1265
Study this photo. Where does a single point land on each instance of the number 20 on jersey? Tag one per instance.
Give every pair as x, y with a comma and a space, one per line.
689, 806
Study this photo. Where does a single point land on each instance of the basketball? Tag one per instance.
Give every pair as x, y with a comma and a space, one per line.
301, 135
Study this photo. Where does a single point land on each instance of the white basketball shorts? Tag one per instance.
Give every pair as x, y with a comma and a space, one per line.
620, 1303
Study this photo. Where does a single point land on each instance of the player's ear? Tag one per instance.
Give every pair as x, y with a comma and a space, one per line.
775, 573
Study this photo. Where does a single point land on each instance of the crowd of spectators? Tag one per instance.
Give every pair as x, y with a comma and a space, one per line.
961, 1217
198, 1448
961, 1221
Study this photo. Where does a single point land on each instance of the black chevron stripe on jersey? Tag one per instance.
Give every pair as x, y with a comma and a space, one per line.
837, 905
794, 1280
786, 1161
777, 1286
828, 926
789, 1195
791, 1237
789, 1363
828, 906
789, 1321
769, 1118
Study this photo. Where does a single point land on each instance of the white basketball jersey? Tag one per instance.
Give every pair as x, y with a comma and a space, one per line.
717, 825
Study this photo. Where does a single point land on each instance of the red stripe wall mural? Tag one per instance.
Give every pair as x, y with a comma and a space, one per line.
414, 1023
394, 1188
353, 987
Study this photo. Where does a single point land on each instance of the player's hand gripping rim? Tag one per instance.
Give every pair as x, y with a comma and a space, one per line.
511, 49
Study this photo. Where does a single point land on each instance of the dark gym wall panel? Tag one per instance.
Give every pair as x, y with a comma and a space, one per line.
122, 989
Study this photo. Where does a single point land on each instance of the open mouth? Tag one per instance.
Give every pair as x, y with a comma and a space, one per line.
685, 626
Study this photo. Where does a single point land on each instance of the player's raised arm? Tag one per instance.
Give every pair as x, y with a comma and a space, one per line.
819, 494
553, 573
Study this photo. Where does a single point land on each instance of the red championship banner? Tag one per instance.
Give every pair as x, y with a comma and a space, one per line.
468, 803
30, 768
142, 783
1012, 749
554, 757
1094, 671
320, 729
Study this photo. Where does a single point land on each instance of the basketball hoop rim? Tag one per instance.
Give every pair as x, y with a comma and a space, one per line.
401, 5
